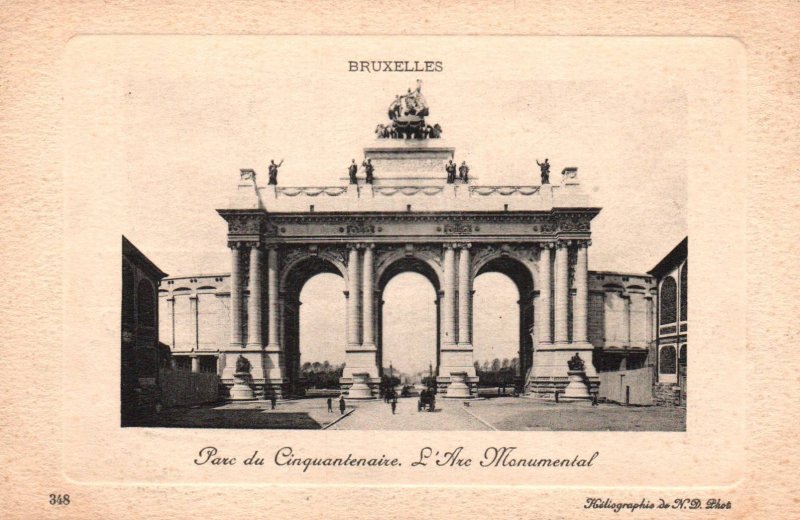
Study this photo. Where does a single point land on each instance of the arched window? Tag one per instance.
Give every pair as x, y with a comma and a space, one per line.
145, 304
683, 290
666, 360
668, 298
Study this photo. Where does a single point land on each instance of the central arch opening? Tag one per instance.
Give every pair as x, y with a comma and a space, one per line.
407, 331
503, 323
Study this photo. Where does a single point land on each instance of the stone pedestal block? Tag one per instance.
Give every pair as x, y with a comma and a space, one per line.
576, 389
458, 389
404, 162
360, 389
242, 389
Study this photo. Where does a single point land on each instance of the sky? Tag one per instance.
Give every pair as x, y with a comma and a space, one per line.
180, 116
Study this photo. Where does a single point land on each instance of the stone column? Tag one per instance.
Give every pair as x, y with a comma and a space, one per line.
270, 365
236, 296
273, 340
580, 313
544, 303
282, 320
193, 322
361, 356
254, 309
369, 296
353, 289
638, 318
171, 318
465, 297
195, 364
438, 303
626, 320
561, 294
449, 302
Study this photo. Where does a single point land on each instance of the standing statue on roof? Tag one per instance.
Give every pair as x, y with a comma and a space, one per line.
545, 167
273, 172
450, 168
463, 171
369, 169
351, 171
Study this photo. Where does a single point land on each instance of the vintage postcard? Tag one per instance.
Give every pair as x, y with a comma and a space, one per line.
423, 270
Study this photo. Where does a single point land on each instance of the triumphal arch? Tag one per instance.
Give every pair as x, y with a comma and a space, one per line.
407, 208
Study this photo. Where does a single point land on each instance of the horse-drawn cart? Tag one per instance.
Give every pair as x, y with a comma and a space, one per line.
427, 401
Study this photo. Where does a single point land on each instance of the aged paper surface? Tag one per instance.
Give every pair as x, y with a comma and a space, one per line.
85, 161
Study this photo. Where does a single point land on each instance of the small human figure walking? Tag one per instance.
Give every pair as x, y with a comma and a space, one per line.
272, 400
351, 171
394, 405
545, 167
369, 169
273, 172
330, 405
341, 404
594, 399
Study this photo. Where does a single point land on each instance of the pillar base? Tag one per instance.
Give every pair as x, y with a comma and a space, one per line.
458, 389
374, 383
546, 387
360, 388
443, 387
361, 359
242, 389
576, 388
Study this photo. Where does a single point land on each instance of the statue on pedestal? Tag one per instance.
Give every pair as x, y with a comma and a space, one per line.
463, 171
242, 389
450, 168
545, 167
369, 169
273, 172
575, 363
352, 171
407, 114
577, 389
242, 365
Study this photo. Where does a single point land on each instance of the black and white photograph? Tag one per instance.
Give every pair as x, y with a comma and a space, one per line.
430, 249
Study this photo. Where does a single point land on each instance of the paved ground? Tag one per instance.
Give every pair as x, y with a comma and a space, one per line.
306, 414
503, 413
508, 413
377, 415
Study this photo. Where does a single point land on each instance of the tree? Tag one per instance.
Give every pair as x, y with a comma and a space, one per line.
495, 365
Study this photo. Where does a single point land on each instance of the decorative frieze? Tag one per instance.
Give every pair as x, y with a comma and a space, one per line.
573, 221
457, 228
244, 224
360, 229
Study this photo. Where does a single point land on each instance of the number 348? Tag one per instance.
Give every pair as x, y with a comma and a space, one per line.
59, 500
